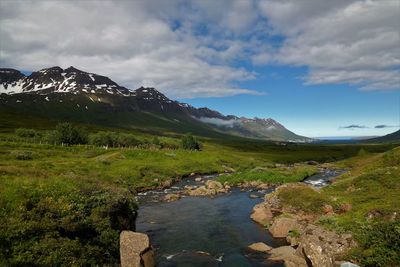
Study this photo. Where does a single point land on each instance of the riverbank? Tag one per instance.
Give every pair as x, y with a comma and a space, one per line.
68, 204
356, 218
201, 221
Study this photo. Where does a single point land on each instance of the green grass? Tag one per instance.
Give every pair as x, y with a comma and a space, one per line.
270, 175
372, 186
66, 205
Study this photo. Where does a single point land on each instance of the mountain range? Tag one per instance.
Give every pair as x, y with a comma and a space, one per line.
74, 95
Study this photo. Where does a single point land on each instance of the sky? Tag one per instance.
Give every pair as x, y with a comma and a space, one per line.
319, 67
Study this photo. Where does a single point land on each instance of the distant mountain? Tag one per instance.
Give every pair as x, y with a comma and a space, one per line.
392, 137
75, 95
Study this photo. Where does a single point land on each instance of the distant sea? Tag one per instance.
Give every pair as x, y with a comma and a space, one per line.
341, 139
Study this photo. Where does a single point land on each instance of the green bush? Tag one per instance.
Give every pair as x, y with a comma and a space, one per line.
127, 140
71, 135
51, 137
112, 139
189, 142
23, 132
379, 244
76, 228
101, 139
157, 142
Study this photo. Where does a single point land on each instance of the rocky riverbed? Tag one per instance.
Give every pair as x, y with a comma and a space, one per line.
200, 222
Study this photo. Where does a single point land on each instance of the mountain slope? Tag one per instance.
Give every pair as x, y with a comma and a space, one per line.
392, 137
74, 95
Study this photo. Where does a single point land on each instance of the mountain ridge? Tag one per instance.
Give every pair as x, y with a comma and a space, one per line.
85, 90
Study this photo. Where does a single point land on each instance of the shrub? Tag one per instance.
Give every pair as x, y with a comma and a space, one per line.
189, 142
51, 137
126, 140
77, 228
157, 142
101, 139
23, 132
71, 135
379, 244
112, 139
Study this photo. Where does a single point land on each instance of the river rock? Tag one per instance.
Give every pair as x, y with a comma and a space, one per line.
262, 214
253, 196
172, 197
200, 191
135, 250
322, 247
167, 183
198, 179
287, 254
260, 246
210, 188
148, 259
210, 184
282, 225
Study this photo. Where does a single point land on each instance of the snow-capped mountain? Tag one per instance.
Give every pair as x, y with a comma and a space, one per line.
72, 94
57, 80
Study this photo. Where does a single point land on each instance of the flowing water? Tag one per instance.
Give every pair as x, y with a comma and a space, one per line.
205, 231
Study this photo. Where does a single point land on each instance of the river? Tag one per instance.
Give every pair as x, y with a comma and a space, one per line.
205, 231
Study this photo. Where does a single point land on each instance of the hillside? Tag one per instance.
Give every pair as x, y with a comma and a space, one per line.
74, 95
392, 137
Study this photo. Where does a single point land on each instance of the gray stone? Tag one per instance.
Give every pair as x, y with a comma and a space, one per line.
260, 246
282, 225
135, 250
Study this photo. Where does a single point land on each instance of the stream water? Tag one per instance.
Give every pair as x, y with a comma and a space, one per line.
205, 231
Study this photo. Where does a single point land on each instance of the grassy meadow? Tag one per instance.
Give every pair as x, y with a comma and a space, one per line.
65, 205
366, 202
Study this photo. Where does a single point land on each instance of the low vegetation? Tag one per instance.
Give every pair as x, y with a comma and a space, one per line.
273, 174
67, 191
190, 143
365, 202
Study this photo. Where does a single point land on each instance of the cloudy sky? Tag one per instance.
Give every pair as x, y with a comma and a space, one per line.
320, 67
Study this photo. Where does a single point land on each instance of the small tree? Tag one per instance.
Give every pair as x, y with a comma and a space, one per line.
70, 135
189, 142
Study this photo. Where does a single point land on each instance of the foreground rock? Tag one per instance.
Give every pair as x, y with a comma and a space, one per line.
135, 250
287, 254
310, 245
260, 246
322, 247
281, 227
262, 214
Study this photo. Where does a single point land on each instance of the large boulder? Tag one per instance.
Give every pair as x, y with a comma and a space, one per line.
287, 254
135, 250
282, 226
210, 184
322, 247
262, 214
